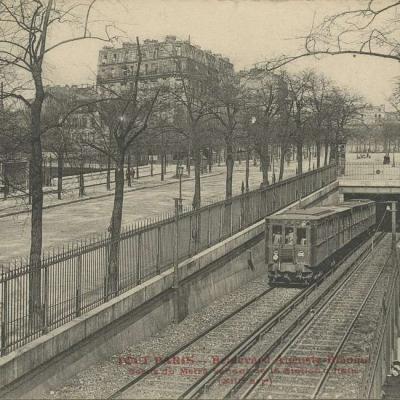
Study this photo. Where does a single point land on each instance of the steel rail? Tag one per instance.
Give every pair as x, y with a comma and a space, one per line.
329, 294
380, 338
339, 347
268, 324
189, 343
218, 369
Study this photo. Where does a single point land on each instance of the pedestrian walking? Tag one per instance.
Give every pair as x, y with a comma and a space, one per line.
6, 187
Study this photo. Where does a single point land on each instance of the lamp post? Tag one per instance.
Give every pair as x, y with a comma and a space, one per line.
179, 172
392, 208
175, 284
393, 164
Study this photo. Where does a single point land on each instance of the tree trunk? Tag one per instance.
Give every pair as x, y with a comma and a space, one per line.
60, 170
188, 162
282, 162
128, 173
326, 153
162, 165
35, 303
333, 153
247, 169
229, 170
108, 183
115, 229
30, 182
81, 179
318, 153
197, 171
263, 153
299, 151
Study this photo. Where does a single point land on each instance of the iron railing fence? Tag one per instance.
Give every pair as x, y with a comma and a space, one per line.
371, 171
76, 278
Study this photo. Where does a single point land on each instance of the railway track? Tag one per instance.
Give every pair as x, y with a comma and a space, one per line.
226, 381
308, 364
234, 344
183, 365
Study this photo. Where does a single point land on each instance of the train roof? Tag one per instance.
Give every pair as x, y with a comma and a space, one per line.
316, 213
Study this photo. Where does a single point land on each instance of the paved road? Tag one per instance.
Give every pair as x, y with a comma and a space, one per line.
70, 222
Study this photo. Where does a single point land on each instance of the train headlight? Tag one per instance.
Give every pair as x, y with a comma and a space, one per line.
275, 257
300, 253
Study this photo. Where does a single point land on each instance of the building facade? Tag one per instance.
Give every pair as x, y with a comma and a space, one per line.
159, 62
168, 63
373, 115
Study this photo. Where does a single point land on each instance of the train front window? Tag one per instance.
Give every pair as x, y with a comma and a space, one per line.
276, 234
301, 235
289, 235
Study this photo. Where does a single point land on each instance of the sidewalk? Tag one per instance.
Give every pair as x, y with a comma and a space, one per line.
70, 220
17, 205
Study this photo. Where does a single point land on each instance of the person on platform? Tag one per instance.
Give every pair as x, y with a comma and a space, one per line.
289, 236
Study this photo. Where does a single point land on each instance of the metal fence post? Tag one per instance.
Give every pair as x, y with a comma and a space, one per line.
242, 221
175, 286
221, 223
197, 234
231, 217
190, 234
4, 315
139, 259
158, 267
46, 299
78, 299
209, 228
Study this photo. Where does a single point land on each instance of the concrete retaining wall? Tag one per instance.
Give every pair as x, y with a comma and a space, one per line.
131, 317
138, 313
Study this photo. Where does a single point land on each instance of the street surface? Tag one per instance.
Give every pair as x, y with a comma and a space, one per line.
70, 222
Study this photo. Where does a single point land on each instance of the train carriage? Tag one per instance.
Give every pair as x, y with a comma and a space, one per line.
301, 243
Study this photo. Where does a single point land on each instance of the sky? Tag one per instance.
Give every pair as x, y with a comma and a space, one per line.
246, 31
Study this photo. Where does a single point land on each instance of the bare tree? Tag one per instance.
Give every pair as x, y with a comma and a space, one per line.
262, 111
344, 108
25, 26
370, 29
299, 94
58, 138
390, 132
320, 90
225, 108
126, 115
13, 150
190, 98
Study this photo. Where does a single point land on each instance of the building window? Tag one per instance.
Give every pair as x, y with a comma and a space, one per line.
146, 68
276, 234
301, 236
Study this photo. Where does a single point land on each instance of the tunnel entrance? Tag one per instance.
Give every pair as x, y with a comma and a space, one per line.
381, 204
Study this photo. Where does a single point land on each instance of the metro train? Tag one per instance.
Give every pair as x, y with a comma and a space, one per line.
301, 244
